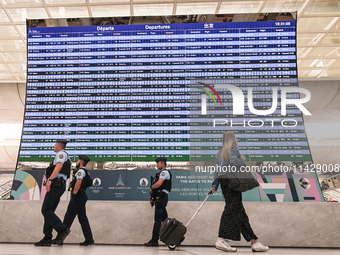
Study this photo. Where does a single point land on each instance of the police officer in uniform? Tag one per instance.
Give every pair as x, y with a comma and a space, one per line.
77, 203
159, 196
57, 174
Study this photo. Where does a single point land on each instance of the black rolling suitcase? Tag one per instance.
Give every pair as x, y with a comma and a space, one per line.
172, 231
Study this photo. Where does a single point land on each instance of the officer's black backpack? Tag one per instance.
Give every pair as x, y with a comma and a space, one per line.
49, 170
87, 181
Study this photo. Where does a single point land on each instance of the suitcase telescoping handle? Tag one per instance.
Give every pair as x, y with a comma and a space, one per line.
199, 208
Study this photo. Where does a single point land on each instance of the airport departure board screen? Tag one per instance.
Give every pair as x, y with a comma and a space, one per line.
136, 92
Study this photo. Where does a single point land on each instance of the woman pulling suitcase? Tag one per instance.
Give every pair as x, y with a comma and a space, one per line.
234, 220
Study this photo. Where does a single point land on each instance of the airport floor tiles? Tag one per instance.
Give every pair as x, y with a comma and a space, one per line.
30, 249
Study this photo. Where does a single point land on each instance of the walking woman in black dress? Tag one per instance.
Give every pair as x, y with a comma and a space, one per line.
234, 220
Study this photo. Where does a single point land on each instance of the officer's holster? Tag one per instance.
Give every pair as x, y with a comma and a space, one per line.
58, 182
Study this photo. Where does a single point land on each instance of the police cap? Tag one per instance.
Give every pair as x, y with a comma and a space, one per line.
160, 159
63, 141
84, 158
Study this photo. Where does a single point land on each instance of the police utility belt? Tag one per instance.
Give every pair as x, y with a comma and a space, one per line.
58, 182
158, 193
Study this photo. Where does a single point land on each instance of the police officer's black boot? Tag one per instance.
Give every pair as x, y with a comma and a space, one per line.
152, 243
62, 235
88, 241
57, 241
44, 242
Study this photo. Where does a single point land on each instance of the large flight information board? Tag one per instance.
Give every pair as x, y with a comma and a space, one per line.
134, 92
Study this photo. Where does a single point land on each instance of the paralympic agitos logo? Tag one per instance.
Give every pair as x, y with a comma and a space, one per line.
238, 103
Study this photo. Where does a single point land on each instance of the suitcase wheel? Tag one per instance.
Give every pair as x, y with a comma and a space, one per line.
171, 246
182, 239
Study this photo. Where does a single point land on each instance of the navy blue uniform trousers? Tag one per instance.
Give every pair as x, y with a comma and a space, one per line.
51, 220
160, 215
77, 207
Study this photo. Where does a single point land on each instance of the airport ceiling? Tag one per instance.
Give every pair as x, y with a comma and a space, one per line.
318, 32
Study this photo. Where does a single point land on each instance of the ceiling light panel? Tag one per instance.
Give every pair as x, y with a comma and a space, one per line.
69, 12
196, 8
12, 45
306, 40
108, 1
325, 52
315, 63
156, 1
7, 76
314, 73
313, 25
309, 73
240, 7
14, 57
336, 64
152, 9
59, 2
4, 67
336, 26
21, 2
331, 73
21, 14
18, 67
302, 52
331, 39
110, 10
302, 64
3, 17
22, 76
22, 29
8, 32
283, 6
323, 7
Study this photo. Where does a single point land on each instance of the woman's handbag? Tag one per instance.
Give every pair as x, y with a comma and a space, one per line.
241, 181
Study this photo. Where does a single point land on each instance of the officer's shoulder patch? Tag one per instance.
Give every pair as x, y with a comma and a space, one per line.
79, 174
163, 173
61, 156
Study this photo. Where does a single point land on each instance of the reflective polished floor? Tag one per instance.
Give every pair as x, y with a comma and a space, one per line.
30, 249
